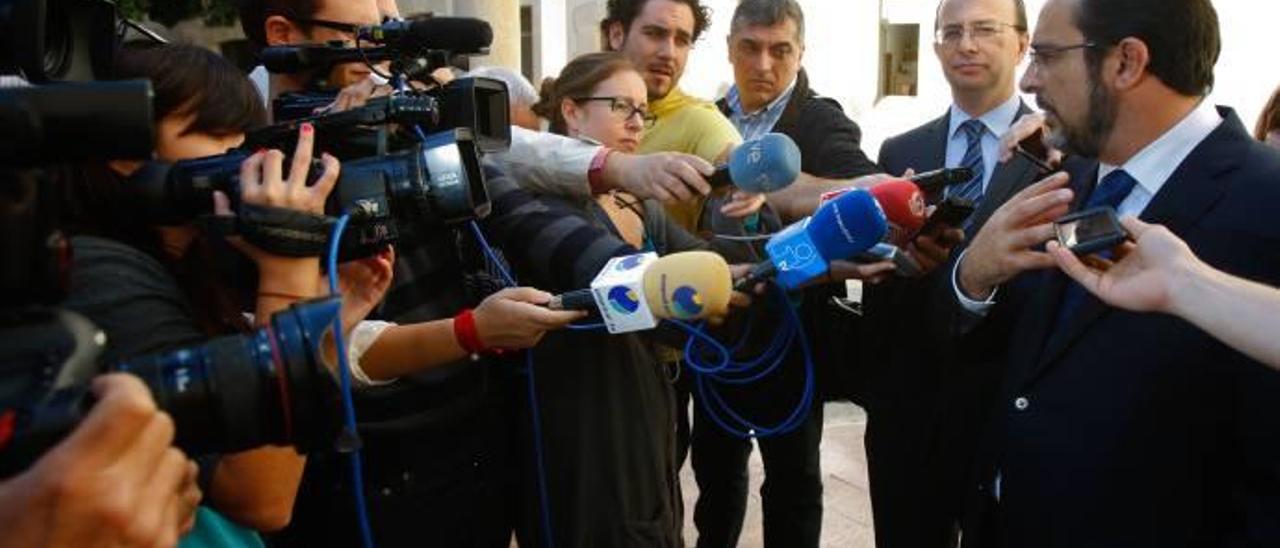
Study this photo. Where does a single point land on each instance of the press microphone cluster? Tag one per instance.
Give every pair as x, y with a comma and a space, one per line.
768, 164
841, 228
633, 292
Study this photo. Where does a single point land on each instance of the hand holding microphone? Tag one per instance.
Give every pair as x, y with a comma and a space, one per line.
631, 293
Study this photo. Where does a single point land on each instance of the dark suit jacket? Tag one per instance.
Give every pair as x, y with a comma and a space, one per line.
925, 410
1139, 429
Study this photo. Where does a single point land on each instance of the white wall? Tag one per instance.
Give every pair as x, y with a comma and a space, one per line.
843, 46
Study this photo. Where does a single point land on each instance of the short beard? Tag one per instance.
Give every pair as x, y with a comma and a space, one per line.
1099, 121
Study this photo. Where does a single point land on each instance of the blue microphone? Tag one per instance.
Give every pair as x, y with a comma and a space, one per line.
840, 229
768, 164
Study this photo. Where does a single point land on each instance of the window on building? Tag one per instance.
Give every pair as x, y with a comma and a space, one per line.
899, 59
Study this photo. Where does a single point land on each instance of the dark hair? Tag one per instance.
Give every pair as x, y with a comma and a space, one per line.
1182, 36
577, 79
1019, 15
95, 201
1269, 120
254, 13
626, 12
191, 80
767, 13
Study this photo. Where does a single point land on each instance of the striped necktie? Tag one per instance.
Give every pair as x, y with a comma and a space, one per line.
972, 189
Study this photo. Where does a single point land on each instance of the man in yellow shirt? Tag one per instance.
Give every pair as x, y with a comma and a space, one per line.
657, 36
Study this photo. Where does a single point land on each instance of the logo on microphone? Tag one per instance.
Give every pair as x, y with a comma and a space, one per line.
686, 302
629, 262
624, 300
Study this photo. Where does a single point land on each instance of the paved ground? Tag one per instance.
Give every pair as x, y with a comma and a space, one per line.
846, 519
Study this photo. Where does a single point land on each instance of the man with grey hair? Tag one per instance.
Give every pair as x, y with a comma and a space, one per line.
771, 94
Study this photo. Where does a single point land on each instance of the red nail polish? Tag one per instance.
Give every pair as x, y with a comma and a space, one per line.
306, 128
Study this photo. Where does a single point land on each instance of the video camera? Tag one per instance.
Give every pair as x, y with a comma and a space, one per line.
226, 395
392, 198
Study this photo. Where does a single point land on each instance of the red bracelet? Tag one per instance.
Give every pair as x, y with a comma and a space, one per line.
595, 174
464, 330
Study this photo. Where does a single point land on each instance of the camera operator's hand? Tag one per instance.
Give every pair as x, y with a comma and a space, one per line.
517, 318
933, 250
264, 182
115, 481
1005, 247
669, 177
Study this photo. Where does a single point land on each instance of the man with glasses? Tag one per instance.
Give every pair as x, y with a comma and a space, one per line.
925, 405
1119, 428
772, 94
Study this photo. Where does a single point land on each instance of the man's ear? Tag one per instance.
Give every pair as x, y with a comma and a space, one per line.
1133, 59
617, 35
280, 30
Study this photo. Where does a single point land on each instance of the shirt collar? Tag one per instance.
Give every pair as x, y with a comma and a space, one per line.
1153, 165
997, 120
734, 99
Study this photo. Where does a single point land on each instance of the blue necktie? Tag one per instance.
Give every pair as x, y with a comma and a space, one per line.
1113, 189
971, 189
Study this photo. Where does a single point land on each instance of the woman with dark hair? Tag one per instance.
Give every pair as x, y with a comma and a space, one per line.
153, 288
1268, 129
606, 403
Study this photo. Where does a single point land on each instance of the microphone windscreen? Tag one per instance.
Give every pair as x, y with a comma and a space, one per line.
904, 207
689, 285
454, 34
847, 225
765, 165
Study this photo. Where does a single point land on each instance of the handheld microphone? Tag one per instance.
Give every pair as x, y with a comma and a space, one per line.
904, 208
841, 228
763, 165
631, 293
458, 35
290, 59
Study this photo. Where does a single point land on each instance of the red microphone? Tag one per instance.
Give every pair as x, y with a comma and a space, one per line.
904, 207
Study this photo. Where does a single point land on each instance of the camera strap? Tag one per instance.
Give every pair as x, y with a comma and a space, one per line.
276, 230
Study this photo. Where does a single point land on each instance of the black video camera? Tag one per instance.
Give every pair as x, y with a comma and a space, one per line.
478, 104
392, 198
230, 394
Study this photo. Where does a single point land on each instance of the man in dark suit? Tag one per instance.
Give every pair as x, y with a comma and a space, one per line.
772, 94
923, 418
1115, 428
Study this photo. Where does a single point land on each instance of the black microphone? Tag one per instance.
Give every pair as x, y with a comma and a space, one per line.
458, 35
936, 180
289, 59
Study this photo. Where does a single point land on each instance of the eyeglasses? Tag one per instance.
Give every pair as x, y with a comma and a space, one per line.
1044, 55
980, 31
624, 109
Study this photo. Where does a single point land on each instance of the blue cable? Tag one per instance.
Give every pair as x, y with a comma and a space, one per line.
344, 380
707, 376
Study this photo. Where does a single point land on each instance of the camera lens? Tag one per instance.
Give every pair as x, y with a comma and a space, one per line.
239, 392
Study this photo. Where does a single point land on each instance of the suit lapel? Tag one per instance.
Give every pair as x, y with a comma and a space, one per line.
1188, 195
